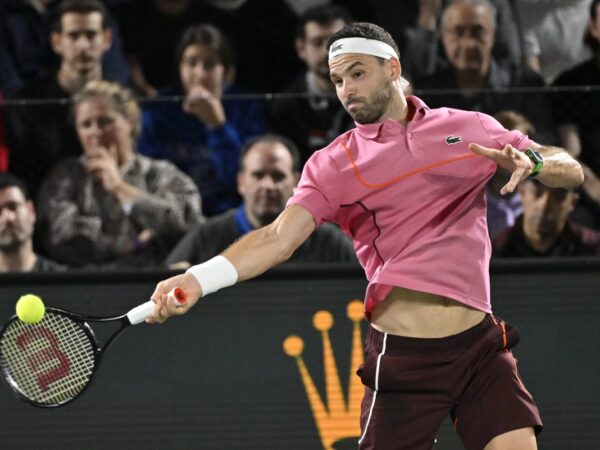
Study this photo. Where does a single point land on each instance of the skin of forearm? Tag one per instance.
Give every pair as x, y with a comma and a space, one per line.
258, 251
266, 247
560, 169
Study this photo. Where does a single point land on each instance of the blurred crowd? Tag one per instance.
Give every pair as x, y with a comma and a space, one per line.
154, 133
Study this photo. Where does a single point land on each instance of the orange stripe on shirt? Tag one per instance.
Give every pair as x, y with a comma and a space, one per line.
368, 185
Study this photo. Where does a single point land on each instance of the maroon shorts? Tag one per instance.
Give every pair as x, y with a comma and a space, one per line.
413, 384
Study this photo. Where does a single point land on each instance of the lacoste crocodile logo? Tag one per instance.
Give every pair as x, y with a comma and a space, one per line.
453, 140
335, 48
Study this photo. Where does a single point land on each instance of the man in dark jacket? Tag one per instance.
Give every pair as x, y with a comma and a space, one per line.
17, 221
312, 117
39, 131
269, 171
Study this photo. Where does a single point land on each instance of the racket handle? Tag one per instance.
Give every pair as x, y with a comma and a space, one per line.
140, 313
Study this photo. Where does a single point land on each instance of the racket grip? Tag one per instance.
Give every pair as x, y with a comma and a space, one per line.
140, 313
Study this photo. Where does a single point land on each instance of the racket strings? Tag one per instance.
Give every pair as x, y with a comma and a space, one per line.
49, 362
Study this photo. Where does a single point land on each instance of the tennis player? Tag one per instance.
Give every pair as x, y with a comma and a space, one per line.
407, 184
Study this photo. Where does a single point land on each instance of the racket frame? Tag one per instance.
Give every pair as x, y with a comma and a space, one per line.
98, 351
132, 317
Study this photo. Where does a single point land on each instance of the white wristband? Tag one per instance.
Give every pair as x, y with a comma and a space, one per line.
214, 274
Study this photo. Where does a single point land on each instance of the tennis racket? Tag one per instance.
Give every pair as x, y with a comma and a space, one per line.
52, 362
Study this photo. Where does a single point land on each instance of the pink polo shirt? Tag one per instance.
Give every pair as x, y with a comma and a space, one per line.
413, 201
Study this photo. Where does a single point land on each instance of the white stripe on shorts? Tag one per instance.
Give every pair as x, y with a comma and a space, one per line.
385, 335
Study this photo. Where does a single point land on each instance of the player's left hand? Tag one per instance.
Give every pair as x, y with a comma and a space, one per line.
508, 158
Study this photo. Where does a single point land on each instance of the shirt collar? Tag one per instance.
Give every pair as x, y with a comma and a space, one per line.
371, 130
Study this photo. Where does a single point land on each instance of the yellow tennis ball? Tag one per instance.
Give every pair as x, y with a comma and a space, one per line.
30, 308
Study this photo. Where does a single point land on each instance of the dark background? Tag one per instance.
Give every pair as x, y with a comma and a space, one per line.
218, 378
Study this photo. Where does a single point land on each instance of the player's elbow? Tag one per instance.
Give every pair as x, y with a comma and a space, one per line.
284, 246
576, 175
579, 177
287, 250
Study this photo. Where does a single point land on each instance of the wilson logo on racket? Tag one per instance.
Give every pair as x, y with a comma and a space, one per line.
47, 362
336, 420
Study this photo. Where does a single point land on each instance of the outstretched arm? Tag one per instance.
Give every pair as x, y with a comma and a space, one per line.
250, 256
560, 169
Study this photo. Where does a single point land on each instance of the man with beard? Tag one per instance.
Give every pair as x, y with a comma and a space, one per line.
544, 228
40, 132
311, 116
467, 33
17, 221
269, 171
408, 185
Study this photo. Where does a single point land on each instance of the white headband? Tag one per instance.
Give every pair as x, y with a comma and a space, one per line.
362, 45
365, 46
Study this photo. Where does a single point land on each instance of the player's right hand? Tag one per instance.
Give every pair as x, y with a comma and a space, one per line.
164, 306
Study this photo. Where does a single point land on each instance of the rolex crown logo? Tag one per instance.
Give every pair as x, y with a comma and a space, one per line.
337, 419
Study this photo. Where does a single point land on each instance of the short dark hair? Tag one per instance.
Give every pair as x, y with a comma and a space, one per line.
209, 36
78, 7
8, 180
273, 139
365, 30
323, 15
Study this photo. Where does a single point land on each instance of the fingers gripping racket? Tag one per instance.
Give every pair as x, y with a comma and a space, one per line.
52, 362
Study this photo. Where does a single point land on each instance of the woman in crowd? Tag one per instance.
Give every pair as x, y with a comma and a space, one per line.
112, 206
203, 134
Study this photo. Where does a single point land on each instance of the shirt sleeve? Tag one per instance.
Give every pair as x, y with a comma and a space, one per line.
319, 190
501, 135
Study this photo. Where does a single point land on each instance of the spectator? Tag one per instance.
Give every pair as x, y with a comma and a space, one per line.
422, 54
314, 121
269, 172
467, 31
40, 134
262, 32
17, 222
151, 30
24, 47
553, 34
113, 207
25, 50
503, 209
575, 113
544, 229
203, 134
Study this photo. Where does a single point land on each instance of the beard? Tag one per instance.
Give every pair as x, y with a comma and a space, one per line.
267, 208
12, 237
372, 108
11, 242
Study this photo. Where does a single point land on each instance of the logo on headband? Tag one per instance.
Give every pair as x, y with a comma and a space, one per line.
337, 47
